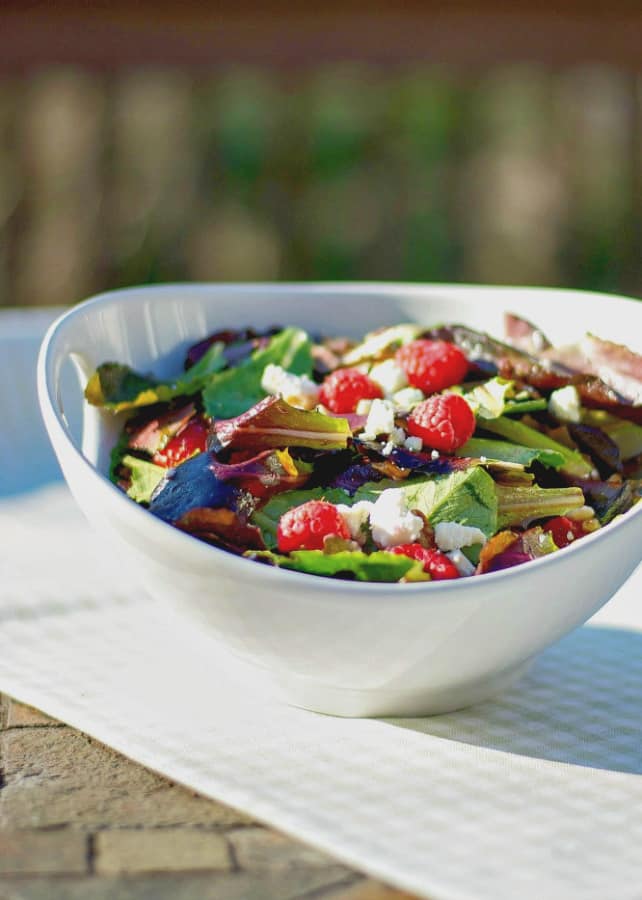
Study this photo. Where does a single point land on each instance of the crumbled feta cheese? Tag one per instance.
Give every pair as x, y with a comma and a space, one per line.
356, 518
363, 407
387, 448
452, 536
565, 404
461, 562
297, 390
414, 444
391, 521
434, 454
398, 436
389, 376
381, 419
581, 514
407, 398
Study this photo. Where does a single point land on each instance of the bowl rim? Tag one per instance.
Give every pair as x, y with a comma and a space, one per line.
210, 553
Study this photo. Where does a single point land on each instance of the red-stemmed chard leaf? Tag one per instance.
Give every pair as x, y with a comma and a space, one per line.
153, 434
273, 423
267, 473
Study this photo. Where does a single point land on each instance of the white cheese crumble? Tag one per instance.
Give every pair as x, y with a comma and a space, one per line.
452, 536
381, 419
391, 521
398, 436
407, 398
434, 454
461, 562
363, 407
389, 376
565, 405
297, 390
414, 444
356, 518
581, 514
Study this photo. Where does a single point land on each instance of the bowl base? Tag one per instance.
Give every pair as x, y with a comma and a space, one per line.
306, 694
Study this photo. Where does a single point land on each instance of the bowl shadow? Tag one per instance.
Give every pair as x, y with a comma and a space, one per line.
581, 703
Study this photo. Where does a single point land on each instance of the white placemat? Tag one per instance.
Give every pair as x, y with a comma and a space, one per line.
535, 795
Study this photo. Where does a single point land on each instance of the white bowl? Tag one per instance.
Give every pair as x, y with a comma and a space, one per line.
339, 647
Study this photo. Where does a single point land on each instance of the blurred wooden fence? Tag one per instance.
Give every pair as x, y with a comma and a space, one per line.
509, 171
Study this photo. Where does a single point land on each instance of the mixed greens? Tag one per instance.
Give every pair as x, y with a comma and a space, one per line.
541, 446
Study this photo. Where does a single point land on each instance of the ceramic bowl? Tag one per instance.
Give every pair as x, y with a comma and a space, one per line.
339, 647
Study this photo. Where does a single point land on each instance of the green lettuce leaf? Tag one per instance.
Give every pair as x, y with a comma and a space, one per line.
489, 399
230, 393
513, 453
519, 407
118, 451
144, 476
496, 397
467, 497
517, 505
267, 517
383, 340
379, 566
117, 387
627, 436
574, 463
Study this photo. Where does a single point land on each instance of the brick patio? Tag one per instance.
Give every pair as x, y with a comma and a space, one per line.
80, 821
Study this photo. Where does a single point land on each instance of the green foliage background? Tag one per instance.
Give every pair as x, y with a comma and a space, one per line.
514, 174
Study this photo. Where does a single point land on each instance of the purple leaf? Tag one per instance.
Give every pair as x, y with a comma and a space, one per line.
238, 345
274, 423
191, 485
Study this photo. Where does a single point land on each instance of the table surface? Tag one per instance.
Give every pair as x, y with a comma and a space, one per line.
77, 820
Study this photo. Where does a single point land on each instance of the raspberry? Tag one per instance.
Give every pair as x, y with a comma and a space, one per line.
188, 442
437, 564
444, 421
432, 366
343, 388
564, 531
304, 527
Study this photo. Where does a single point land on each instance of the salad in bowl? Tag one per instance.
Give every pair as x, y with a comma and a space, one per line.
413, 453
387, 499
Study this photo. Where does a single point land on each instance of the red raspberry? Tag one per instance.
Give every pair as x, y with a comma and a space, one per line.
564, 531
343, 388
432, 366
304, 527
444, 421
191, 440
436, 563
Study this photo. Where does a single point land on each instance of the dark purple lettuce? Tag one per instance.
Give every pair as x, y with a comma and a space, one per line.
602, 449
238, 345
192, 485
355, 476
425, 464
